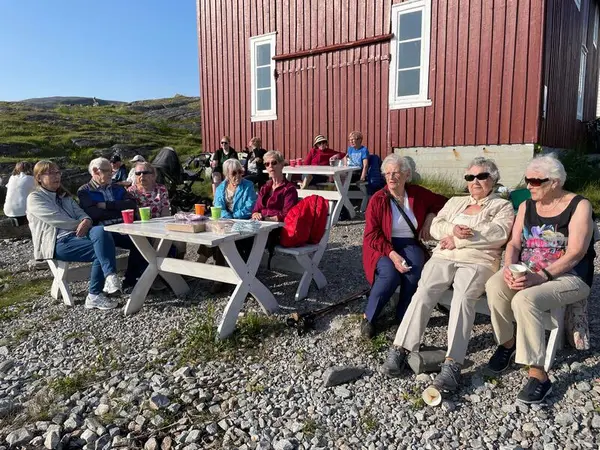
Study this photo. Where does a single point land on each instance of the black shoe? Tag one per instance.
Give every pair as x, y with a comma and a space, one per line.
367, 329
500, 360
535, 391
449, 377
394, 362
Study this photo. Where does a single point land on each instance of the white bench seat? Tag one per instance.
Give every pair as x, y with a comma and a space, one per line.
312, 248
361, 194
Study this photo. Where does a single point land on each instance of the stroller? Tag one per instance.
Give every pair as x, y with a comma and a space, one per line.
179, 180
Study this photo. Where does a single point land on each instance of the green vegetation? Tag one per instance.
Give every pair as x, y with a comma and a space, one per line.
444, 185
376, 344
76, 131
67, 386
310, 427
369, 422
18, 294
201, 341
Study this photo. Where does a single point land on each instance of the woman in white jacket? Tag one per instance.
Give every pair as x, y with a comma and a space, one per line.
19, 186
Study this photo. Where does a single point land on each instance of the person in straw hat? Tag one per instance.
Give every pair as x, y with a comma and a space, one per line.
319, 155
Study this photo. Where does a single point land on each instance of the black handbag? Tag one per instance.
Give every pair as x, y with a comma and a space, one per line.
420, 243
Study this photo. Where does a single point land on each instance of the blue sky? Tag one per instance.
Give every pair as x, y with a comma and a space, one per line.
111, 49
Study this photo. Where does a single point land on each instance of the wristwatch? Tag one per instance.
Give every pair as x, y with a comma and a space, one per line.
548, 275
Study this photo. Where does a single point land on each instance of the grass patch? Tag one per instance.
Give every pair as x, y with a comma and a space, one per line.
310, 427
201, 341
440, 184
42, 406
67, 386
19, 293
376, 344
368, 422
203, 188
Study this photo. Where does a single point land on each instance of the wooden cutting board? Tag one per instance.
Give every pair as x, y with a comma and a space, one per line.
191, 227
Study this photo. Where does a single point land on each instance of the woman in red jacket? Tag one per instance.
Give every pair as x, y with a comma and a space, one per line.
319, 155
392, 254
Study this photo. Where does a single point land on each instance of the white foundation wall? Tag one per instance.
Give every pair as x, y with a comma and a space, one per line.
449, 163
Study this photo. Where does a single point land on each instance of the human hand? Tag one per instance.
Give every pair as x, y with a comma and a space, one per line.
399, 262
363, 178
257, 216
447, 243
508, 276
425, 234
462, 232
101, 205
83, 227
258, 160
526, 281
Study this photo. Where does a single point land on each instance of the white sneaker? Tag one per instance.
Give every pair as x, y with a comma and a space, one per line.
99, 301
112, 285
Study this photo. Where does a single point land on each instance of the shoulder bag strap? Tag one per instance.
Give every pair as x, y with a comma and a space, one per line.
406, 218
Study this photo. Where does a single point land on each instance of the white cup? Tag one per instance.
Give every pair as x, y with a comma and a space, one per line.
432, 396
517, 270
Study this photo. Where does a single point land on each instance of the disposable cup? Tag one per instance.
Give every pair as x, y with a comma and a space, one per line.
292, 162
145, 213
299, 162
432, 396
200, 209
215, 212
127, 215
517, 270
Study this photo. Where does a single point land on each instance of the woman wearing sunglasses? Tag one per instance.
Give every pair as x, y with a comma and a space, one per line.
553, 237
471, 231
147, 192
222, 154
235, 196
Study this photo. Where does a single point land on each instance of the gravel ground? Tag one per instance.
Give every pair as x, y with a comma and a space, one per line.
77, 378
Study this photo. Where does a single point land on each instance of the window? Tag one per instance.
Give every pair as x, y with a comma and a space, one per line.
409, 67
262, 82
581, 87
596, 19
578, 4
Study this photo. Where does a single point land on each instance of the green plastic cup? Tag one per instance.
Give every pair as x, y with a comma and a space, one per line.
145, 213
215, 212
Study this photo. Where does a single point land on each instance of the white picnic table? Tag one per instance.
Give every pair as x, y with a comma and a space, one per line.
340, 195
239, 273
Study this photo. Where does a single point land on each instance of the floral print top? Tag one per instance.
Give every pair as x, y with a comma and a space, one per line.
157, 199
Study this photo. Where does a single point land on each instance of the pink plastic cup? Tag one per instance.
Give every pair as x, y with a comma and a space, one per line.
127, 215
292, 163
299, 162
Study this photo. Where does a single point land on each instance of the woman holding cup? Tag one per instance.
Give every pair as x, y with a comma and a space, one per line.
549, 263
152, 198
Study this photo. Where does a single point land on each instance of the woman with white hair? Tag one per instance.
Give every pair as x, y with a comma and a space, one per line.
553, 237
471, 231
236, 195
397, 217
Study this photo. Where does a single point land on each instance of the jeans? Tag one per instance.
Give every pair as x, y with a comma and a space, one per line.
387, 279
136, 264
98, 247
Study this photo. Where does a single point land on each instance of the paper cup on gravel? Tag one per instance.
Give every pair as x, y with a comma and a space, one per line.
127, 215
517, 270
145, 213
432, 396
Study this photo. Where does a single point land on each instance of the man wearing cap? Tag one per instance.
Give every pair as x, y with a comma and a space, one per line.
119, 173
131, 177
319, 155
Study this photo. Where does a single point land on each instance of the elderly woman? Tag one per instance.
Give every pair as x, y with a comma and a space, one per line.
471, 231
553, 236
278, 195
61, 230
256, 167
19, 186
319, 155
222, 154
357, 156
235, 196
147, 192
396, 218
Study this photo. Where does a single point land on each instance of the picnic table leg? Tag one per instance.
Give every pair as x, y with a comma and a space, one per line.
248, 284
60, 270
174, 280
342, 187
140, 291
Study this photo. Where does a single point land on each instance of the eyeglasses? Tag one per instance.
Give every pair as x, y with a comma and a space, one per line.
480, 176
105, 170
392, 174
223, 143
144, 172
536, 182
235, 173
270, 163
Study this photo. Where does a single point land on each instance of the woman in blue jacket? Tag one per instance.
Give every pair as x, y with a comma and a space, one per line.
235, 196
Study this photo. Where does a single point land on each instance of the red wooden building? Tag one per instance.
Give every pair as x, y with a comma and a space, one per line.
437, 79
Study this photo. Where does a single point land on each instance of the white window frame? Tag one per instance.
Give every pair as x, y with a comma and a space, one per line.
596, 25
581, 84
271, 114
578, 4
410, 101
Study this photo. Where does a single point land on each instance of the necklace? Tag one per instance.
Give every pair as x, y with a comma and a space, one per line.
554, 204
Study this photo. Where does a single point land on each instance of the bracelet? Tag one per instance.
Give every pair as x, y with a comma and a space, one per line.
548, 274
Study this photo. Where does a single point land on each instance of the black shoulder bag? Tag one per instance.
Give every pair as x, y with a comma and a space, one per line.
425, 249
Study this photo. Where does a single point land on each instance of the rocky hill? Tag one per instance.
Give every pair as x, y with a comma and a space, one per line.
72, 130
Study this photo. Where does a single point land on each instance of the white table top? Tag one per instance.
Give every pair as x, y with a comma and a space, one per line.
155, 228
318, 170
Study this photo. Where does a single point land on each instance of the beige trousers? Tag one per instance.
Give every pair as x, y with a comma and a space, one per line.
468, 282
528, 309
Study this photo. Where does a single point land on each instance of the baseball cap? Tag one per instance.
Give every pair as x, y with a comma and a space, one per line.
138, 158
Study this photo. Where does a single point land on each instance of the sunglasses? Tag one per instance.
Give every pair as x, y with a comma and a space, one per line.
223, 143
480, 176
270, 163
235, 173
536, 182
144, 172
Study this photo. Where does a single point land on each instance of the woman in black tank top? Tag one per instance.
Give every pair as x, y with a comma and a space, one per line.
548, 265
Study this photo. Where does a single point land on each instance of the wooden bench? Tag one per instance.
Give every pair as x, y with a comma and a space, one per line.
64, 274
361, 194
554, 322
309, 257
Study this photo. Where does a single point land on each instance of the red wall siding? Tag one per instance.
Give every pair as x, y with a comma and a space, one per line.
485, 78
566, 29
